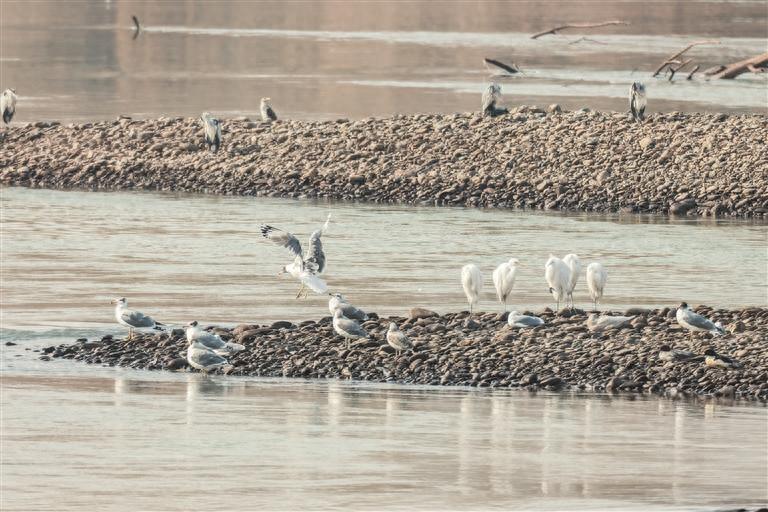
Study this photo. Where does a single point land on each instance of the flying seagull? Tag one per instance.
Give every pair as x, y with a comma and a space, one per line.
306, 266
267, 114
637, 101
211, 341
8, 105
133, 319
212, 130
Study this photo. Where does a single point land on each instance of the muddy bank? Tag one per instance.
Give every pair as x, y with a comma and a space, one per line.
683, 164
455, 349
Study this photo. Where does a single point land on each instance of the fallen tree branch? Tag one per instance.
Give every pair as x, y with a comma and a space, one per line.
511, 69
578, 25
690, 75
673, 58
758, 62
678, 68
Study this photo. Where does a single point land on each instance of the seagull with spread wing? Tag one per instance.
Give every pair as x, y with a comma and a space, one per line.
307, 265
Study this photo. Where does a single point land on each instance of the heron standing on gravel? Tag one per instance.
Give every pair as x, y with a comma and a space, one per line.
8, 105
491, 98
212, 130
637, 101
267, 114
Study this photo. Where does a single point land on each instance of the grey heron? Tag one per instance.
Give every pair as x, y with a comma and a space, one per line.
8, 105
637, 101
212, 130
267, 114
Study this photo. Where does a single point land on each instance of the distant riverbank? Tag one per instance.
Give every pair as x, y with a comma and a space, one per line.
681, 164
481, 351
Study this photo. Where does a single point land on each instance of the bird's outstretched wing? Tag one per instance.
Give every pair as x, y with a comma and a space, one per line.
137, 319
282, 238
314, 261
313, 282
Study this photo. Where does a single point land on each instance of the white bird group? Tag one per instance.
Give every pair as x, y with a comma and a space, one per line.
562, 276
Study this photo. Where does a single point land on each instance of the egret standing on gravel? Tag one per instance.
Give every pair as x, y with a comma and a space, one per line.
637, 101
8, 105
472, 282
267, 114
133, 319
504, 280
574, 268
305, 267
212, 131
558, 276
693, 321
597, 276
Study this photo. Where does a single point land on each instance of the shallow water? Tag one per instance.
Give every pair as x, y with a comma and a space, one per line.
186, 257
340, 59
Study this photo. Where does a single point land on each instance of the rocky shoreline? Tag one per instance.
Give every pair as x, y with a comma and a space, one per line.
674, 163
480, 350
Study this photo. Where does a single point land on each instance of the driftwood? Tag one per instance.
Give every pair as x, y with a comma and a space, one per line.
690, 75
681, 65
756, 64
136, 27
673, 59
509, 68
578, 25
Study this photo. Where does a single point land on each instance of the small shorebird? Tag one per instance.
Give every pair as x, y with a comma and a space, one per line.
211, 341
267, 114
338, 301
504, 279
472, 282
668, 354
492, 96
601, 323
695, 322
397, 339
597, 276
712, 358
637, 101
305, 267
204, 359
347, 328
8, 105
133, 319
558, 276
515, 319
574, 272
212, 130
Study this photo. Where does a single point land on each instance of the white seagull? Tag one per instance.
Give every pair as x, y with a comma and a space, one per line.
515, 319
472, 282
305, 267
211, 341
504, 279
574, 268
338, 301
8, 105
597, 276
347, 328
133, 319
204, 359
696, 322
557, 274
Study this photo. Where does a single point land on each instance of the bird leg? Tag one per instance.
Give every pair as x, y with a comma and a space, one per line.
300, 291
130, 333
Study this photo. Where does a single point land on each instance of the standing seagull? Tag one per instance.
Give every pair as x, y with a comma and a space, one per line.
204, 359
8, 105
338, 301
472, 282
267, 114
695, 322
305, 267
491, 97
397, 339
133, 319
212, 130
211, 341
574, 267
348, 329
557, 274
637, 101
596, 279
504, 279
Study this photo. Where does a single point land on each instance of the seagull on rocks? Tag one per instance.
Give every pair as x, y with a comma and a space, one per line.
693, 321
666, 353
8, 105
267, 114
306, 266
515, 319
504, 279
133, 319
204, 359
211, 341
212, 131
601, 323
597, 276
574, 271
347, 328
637, 101
397, 339
338, 301
712, 358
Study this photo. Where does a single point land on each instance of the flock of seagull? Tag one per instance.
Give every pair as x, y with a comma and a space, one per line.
207, 351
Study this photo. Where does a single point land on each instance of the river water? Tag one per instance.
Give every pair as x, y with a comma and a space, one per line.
80, 437
79, 61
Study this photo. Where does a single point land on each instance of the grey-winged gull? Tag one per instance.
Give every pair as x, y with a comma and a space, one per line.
397, 339
347, 328
696, 322
515, 319
204, 359
211, 341
666, 353
338, 301
133, 319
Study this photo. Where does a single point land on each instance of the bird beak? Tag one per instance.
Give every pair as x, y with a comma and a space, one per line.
113, 301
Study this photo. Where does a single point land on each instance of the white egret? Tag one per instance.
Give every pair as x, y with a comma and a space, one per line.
597, 276
557, 275
504, 279
472, 282
574, 268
